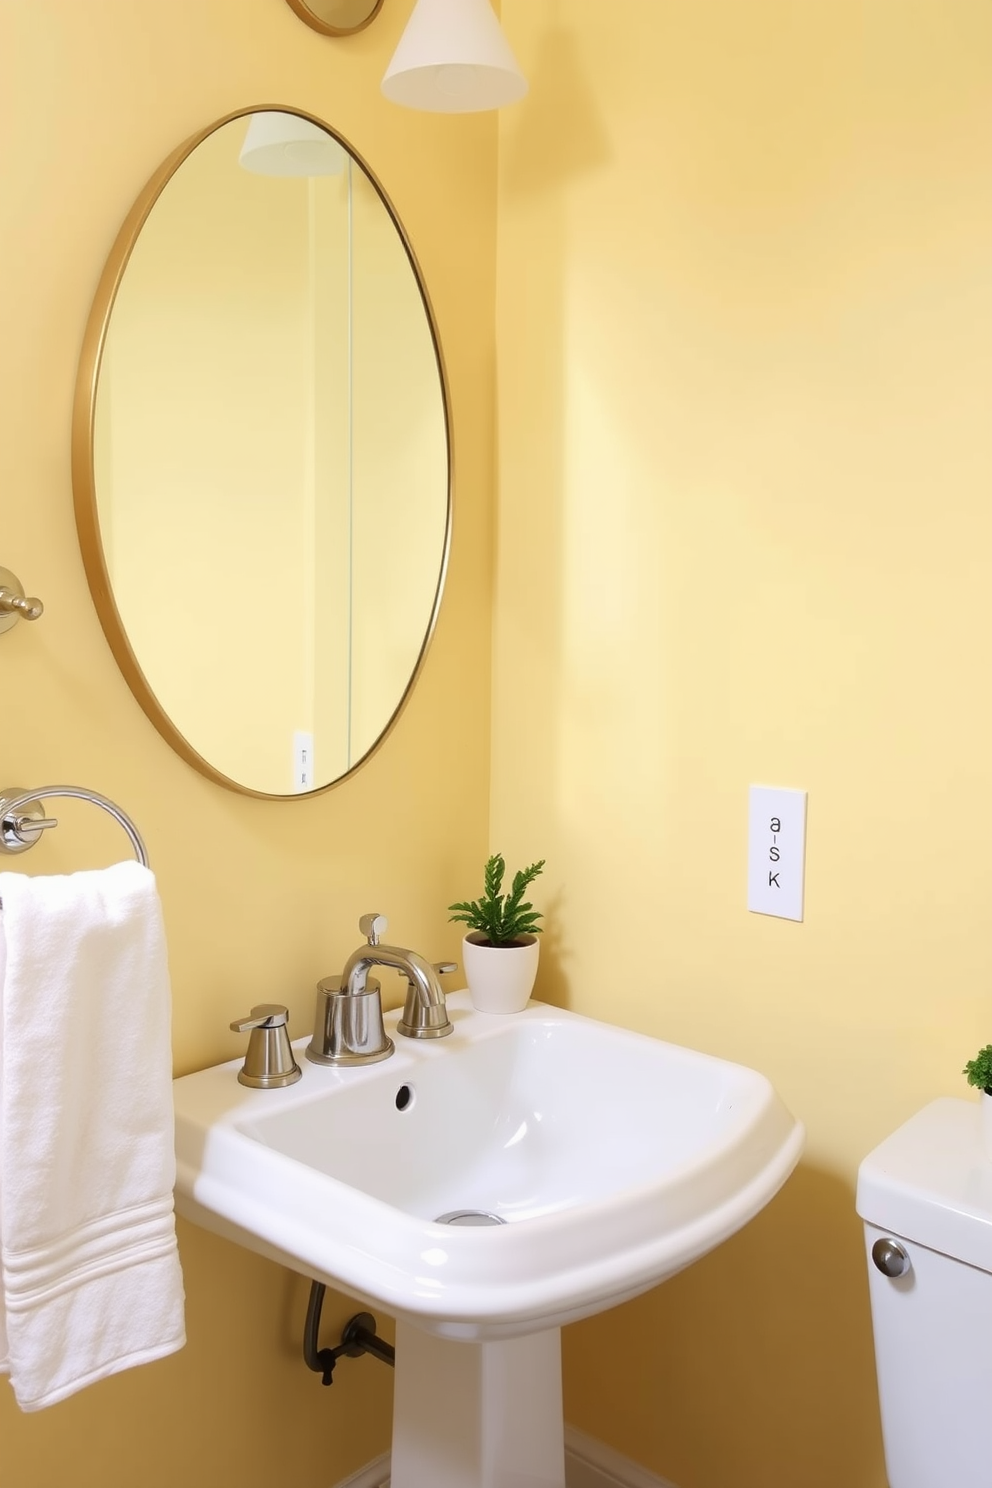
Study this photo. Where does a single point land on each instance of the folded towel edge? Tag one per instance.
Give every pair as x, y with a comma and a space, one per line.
130, 1360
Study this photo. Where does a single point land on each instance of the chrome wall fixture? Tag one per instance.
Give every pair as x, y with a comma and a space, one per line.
14, 605
22, 813
23, 819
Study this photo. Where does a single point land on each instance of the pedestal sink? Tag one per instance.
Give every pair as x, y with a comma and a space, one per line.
484, 1189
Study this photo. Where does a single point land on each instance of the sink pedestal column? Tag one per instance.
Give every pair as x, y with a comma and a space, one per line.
477, 1415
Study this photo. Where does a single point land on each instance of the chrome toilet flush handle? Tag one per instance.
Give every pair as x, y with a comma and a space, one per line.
891, 1258
269, 1062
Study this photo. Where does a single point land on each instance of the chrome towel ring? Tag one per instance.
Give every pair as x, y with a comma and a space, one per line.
23, 819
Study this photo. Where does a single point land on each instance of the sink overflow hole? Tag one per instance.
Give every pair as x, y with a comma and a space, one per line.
469, 1217
404, 1098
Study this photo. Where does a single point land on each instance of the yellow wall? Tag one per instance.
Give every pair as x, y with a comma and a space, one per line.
261, 897
745, 343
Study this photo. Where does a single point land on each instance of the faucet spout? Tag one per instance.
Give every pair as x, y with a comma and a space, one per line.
418, 972
425, 1013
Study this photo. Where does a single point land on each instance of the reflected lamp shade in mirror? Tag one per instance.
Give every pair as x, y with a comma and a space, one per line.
453, 59
281, 144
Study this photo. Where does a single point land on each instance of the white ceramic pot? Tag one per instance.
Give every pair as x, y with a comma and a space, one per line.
985, 1116
500, 978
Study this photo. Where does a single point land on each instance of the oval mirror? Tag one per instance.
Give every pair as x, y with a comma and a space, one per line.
261, 457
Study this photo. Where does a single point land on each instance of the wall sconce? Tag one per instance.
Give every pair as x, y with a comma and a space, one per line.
453, 59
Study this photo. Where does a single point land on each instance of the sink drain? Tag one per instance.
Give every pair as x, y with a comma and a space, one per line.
469, 1217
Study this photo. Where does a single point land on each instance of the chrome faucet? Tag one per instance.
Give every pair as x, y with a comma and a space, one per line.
425, 1014
348, 1027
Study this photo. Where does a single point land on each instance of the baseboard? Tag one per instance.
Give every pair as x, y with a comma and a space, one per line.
592, 1464
374, 1475
588, 1464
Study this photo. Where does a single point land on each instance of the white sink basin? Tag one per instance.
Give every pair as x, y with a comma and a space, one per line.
613, 1159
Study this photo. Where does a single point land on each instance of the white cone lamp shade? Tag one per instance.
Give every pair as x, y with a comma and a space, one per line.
286, 145
453, 59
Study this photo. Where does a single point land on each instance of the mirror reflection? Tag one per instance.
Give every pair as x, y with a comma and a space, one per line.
263, 506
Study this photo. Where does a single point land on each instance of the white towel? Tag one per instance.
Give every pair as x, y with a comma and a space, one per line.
90, 1269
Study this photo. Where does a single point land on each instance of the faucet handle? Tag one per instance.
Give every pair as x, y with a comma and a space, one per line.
263, 1015
373, 926
269, 1062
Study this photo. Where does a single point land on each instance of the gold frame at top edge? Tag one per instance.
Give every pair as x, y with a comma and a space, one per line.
311, 19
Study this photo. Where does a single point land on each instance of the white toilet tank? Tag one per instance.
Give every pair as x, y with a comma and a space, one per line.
925, 1195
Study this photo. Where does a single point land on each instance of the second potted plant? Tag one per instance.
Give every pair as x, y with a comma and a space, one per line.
500, 951
979, 1072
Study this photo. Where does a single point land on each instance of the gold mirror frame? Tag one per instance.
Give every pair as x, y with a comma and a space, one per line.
316, 13
84, 472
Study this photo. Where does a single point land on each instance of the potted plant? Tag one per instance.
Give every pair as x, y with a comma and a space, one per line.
500, 951
979, 1073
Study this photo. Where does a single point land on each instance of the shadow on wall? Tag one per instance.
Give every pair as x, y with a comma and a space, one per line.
553, 140
761, 1353
561, 134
